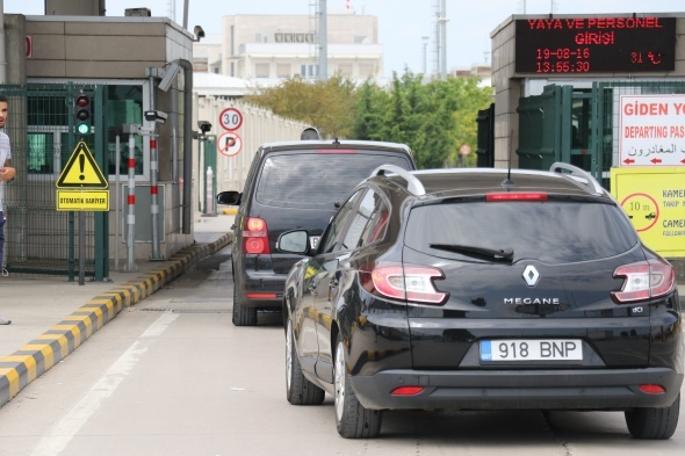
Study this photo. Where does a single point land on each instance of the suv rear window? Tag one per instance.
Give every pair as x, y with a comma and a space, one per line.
553, 232
311, 180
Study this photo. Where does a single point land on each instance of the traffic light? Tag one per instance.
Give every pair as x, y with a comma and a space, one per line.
82, 113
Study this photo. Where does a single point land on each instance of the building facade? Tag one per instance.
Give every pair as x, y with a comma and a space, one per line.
276, 47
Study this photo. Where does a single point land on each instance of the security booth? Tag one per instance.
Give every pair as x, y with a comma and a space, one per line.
102, 74
605, 93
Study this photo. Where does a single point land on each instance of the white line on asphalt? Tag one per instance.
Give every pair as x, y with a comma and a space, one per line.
57, 439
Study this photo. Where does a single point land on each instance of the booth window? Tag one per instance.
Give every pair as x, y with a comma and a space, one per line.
123, 106
49, 143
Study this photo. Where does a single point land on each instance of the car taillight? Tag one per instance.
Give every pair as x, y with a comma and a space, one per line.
644, 280
256, 236
515, 196
413, 283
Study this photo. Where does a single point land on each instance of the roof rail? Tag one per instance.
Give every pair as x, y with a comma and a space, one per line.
579, 175
414, 185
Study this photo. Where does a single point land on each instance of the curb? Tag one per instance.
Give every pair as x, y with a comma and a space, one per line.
40, 354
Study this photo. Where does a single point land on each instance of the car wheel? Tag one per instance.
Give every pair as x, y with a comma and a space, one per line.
300, 391
242, 315
653, 423
352, 419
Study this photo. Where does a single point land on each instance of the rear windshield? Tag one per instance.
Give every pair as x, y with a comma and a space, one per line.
317, 180
553, 231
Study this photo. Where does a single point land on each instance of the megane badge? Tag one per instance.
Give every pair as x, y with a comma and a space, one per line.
531, 275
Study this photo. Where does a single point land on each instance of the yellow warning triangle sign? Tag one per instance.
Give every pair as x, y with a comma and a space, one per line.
81, 170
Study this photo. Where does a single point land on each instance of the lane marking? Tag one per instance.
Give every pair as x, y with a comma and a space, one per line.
59, 436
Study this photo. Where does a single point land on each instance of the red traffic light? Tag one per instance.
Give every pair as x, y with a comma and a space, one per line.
82, 101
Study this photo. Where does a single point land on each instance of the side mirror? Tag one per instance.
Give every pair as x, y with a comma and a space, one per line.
229, 198
293, 242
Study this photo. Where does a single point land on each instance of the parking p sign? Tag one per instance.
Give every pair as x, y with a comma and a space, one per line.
231, 119
229, 144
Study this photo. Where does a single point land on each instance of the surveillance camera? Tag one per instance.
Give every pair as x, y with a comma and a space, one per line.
156, 116
199, 32
204, 126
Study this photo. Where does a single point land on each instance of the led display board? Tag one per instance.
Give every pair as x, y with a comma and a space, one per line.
595, 45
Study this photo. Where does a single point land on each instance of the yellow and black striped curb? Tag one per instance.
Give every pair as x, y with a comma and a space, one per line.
40, 354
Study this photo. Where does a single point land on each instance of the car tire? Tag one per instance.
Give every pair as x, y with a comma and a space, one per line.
299, 390
653, 423
242, 315
352, 419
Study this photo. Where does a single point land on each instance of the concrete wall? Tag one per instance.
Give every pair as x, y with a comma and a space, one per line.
510, 86
75, 7
64, 47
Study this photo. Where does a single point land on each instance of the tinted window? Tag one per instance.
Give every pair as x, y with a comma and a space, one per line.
317, 180
351, 237
554, 232
339, 222
378, 223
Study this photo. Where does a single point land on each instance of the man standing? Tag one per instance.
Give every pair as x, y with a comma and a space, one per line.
7, 173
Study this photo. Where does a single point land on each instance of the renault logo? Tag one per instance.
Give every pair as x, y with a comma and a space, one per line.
531, 275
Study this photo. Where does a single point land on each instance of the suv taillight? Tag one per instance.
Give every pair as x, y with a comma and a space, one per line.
644, 280
256, 236
413, 283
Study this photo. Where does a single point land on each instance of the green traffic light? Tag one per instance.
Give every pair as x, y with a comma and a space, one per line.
83, 129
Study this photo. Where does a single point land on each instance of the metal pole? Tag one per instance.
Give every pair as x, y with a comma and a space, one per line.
443, 39
425, 55
174, 135
131, 219
81, 248
71, 249
185, 14
154, 195
323, 40
187, 144
3, 58
117, 206
200, 174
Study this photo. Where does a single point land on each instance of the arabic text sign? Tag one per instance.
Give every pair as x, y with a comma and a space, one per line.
652, 130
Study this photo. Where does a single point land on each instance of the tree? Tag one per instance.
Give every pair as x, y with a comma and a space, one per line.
433, 118
329, 105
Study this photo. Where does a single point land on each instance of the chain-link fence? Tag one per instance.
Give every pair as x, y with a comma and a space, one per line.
41, 130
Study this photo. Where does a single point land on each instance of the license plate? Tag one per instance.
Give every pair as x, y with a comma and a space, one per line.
531, 350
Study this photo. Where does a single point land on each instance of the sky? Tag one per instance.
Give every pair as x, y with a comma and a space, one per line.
402, 23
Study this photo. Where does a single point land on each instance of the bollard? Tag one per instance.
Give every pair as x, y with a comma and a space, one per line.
131, 218
154, 195
210, 201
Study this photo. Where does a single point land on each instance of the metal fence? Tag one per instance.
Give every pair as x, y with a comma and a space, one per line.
41, 130
259, 126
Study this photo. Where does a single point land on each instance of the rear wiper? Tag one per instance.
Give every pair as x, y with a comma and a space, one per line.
505, 255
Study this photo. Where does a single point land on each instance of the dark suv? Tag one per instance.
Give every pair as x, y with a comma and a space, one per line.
473, 289
292, 186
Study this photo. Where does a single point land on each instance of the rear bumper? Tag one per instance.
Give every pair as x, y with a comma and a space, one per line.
561, 389
260, 284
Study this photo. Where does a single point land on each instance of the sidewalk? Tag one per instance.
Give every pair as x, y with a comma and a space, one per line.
51, 317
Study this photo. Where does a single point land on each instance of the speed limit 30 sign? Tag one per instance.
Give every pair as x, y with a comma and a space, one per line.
231, 119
